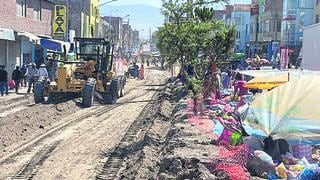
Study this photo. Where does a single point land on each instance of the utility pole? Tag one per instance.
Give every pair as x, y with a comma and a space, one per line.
150, 36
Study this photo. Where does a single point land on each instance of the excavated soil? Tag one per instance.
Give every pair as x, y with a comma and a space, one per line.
148, 136
31, 121
73, 146
172, 148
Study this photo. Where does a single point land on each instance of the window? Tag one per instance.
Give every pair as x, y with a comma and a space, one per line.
21, 8
36, 4
238, 21
318, 2
247, 28
238, 35
252, 27
318, 18
279, 26
302, 4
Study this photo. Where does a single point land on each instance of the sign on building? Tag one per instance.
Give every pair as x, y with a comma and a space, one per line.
59, 22
284, 58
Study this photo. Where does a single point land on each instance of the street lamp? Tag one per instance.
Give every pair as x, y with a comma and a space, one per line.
126, 16
107, 3
97, 10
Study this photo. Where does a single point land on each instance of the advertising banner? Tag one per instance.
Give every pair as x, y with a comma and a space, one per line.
284, 58
59, 22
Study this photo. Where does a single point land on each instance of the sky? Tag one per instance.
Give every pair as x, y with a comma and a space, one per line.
157, 3
145, 19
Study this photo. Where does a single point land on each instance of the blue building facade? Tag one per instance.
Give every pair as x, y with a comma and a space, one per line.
297, 14
241, 20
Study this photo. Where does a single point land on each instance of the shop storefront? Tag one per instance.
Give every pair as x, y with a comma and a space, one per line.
9, 51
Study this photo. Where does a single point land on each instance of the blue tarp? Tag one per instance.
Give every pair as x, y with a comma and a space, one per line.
51, 45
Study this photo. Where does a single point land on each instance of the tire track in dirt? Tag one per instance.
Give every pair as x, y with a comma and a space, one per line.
29, 169
130, 143
30, 146
56, 102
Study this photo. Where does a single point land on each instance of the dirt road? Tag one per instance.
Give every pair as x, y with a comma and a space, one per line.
71, 145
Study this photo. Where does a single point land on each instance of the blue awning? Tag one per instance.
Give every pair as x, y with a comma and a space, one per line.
54, 45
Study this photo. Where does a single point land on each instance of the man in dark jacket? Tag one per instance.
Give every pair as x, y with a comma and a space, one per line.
17, 76
3, 80
24, 79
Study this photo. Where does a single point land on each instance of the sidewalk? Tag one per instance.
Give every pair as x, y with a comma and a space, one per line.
12, 95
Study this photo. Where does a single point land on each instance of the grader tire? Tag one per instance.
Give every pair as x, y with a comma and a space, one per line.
122, 90
88, 94
111, 96
39, 92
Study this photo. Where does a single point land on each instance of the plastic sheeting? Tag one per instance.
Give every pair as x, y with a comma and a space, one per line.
290, 111
275, 72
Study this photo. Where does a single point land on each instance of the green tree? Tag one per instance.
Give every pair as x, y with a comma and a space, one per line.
194, 38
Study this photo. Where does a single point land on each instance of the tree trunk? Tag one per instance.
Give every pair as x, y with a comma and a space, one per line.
210, 82
195, 105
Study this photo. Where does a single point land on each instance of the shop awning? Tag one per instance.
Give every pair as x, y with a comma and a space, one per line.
7, 34
268, 82
54, 45
32, 38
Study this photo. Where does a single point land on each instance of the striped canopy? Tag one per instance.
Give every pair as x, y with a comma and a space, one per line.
290, 111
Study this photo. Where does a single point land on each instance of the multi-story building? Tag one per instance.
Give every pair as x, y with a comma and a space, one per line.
297, 14
126, 34
220, 14
103, 29
135, 40
83, 17
269, 34
316, 11
228, 9
240, 18
94, 17
22, 24
116, 34
254, 27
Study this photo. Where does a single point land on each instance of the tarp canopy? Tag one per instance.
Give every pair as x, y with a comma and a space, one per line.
268, 82
54, 45
275, 72
290, 111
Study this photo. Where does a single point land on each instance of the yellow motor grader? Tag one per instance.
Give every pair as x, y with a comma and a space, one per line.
91, 74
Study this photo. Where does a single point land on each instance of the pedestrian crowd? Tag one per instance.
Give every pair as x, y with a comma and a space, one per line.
21, 77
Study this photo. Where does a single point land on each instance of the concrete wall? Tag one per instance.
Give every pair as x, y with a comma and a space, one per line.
316, 10
14, 55
2, 52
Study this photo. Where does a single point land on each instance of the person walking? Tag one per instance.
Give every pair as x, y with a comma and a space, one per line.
3, 80
52, 68
24, 78
32, 74
141, 72
43, 71
17, 76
